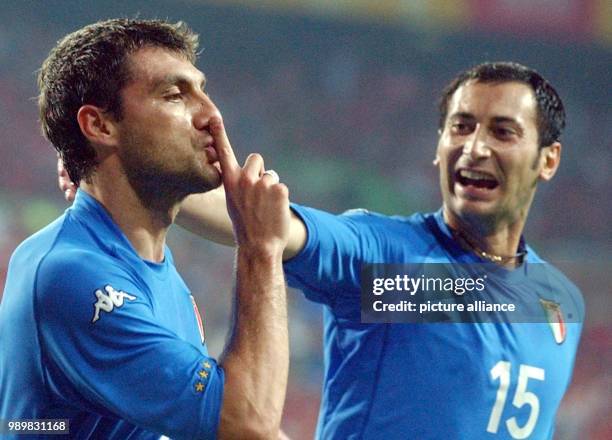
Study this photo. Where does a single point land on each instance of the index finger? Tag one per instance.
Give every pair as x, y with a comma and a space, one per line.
227, 159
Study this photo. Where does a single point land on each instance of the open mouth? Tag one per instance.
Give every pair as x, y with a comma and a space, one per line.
477, 179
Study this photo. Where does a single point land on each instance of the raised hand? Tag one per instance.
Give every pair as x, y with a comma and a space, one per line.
258, 206
257, 203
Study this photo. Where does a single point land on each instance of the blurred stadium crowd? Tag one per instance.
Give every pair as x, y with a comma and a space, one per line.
345, 110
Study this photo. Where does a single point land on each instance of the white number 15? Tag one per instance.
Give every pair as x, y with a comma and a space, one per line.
501, 371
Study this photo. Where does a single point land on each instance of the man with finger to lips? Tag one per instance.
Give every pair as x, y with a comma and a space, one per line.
96, 325
499, 138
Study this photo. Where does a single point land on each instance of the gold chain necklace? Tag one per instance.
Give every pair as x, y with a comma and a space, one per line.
498, 259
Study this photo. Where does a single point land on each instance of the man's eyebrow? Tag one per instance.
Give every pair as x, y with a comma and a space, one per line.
462, 115
495, 119
504, 119
176, 79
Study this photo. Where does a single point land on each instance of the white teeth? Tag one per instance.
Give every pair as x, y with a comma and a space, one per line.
475, 175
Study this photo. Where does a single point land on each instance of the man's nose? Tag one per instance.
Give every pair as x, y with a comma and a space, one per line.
476, 145
204, 112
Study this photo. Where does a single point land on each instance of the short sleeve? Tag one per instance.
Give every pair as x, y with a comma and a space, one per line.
329, 265
104, 348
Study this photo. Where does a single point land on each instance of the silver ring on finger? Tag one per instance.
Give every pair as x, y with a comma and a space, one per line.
272, 174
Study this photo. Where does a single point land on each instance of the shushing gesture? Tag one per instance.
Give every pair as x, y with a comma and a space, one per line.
256, 202
258, 206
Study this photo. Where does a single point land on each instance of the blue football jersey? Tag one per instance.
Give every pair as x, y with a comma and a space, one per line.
92, 333
428, 381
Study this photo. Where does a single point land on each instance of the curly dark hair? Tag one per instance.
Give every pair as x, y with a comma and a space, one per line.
550, 110
89, 66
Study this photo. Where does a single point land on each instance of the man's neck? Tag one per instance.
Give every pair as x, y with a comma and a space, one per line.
144, 226
495, 241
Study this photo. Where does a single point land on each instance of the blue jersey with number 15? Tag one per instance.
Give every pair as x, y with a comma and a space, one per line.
428, 381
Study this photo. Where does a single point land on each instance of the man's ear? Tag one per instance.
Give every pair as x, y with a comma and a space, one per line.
97, 126
549, 161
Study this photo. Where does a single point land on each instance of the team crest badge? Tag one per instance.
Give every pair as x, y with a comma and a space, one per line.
554, 316
199, 319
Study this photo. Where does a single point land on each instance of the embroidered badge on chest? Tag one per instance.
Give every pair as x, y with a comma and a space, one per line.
199, 320
554, 315
109, 300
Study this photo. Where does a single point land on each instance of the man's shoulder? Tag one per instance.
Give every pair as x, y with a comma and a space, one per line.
416, 220
554, 272
62, 241
75, 260
62, 253
560, 278
412, 228
378, 236
71, 275
57, 265
40, 242
559, 285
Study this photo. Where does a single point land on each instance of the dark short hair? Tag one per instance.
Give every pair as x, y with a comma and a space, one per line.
89, 66
550, 110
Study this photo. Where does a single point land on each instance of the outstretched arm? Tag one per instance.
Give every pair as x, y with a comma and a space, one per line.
205, 214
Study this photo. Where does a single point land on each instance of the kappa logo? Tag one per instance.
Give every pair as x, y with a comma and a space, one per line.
109, 300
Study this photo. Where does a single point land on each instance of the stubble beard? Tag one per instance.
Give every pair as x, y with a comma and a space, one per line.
157, 185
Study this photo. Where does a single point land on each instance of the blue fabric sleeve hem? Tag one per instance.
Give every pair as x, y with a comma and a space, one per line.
311, 236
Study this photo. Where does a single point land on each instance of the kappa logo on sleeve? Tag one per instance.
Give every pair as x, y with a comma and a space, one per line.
109, 300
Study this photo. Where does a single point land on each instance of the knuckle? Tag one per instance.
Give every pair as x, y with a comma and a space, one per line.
245, 181
282, 190
264, 182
